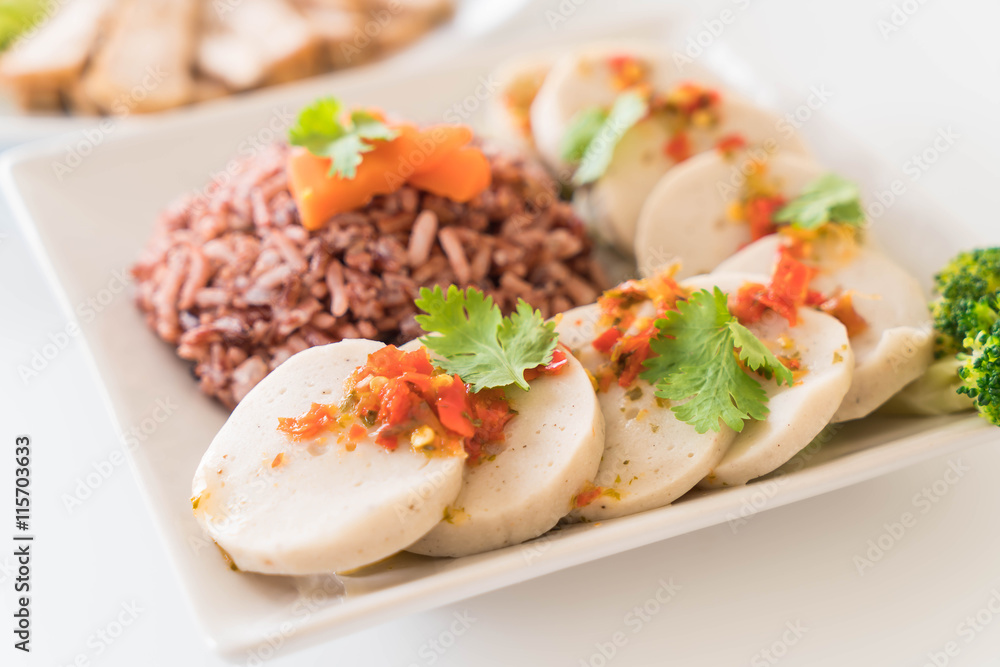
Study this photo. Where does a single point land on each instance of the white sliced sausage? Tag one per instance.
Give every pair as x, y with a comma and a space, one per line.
686, 214
582, 79
552, 449
323, 508
797, 413
508, 112
618, 198
898, 344
650, 457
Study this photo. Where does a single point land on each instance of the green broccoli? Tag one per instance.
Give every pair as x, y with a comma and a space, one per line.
966, 314
980, 372
968, 289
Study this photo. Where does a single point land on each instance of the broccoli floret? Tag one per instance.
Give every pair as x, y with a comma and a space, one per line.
966, 314
980, 372
968, 289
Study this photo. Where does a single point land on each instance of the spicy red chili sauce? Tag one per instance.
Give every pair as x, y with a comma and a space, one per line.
402, 395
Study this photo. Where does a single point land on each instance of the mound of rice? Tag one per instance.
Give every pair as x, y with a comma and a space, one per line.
233, 280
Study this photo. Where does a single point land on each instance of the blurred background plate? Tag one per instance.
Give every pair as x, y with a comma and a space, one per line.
473, 21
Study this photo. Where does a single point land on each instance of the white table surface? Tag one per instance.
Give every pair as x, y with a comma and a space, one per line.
783, 589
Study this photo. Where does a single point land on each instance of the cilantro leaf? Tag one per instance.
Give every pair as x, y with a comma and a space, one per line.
830, 198
581, 132
698, 350
757, 357
346, 154
629, 108
478, 343
317, 125
323, 131
367, 126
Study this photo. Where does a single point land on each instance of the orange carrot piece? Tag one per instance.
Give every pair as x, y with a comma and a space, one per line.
445, 139
435, 159
423, 150
320, 197
460, 177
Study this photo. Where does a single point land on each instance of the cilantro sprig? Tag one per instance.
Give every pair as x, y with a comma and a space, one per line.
830, 198
593, 135
698, 355
324, 129
478, 343
583, 127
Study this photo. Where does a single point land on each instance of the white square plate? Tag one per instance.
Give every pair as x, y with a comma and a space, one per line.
88, 226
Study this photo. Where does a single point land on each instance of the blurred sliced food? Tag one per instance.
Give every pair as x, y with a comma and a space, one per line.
139, 56
43, 67
407, 20
208, 89
144, 62
257, 42
339, 25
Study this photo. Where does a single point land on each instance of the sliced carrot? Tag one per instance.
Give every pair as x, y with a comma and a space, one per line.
423, 150
445, 140
435, 159
461, 176
320, 196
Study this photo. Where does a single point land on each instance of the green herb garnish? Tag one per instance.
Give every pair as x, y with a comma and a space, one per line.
830, 198
581, 132
629, 108
698, 349
478, 343
324, 129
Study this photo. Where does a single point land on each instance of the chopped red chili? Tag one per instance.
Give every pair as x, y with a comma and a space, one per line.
559, 362
841, 306
815, 298
401, 395
629, 351
587, 496
731, 143
607, 340
616, 303
759, 213
746, 305
678, 147
317, 419
630, 355
490, 413
589, 493
626, 71
791, 363
689, 98
452, 403
788, 290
